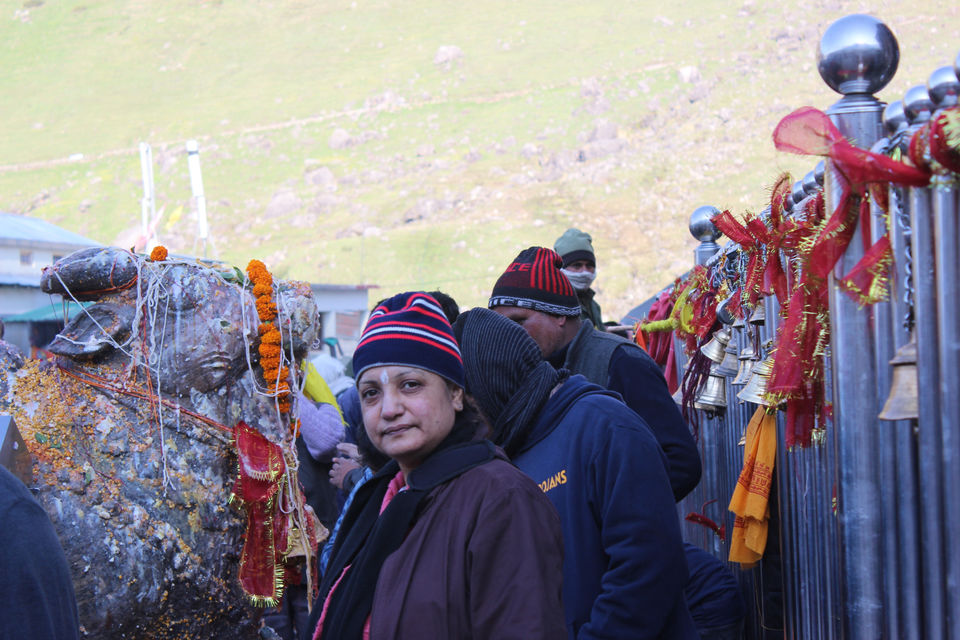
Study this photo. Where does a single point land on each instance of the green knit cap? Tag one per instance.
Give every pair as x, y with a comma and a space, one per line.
575, 245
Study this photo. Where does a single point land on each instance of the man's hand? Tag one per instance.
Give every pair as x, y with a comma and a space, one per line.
348, 450
345, 461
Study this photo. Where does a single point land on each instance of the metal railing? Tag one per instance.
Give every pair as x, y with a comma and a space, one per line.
862, 540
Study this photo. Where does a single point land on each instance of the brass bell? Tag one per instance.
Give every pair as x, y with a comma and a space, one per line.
738, 323
759, 315
756, 387
729, 365
902, 402
715, 348
713, 395
743, 375
747, 357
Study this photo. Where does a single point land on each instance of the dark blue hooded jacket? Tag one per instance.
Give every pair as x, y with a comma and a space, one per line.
601, 467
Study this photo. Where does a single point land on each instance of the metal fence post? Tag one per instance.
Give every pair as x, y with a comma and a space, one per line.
943, 87
918, 107
858, 55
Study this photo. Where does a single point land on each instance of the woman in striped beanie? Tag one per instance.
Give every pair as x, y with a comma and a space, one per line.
448, 539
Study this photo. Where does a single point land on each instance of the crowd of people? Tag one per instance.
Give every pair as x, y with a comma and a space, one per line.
538, 457
504, 472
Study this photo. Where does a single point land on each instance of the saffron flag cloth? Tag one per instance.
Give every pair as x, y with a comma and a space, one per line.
751, 497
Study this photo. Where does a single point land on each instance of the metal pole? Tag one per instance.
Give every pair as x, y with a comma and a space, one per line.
918, 106
943, 88
858, 56
906, 533
196, 187
883, 320
148, 203
946, 208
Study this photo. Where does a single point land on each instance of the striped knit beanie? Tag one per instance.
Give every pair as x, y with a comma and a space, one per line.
409, 329
534, 281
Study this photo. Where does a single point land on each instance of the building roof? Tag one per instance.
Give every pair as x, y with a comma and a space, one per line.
24, 231
47, 313
20, 280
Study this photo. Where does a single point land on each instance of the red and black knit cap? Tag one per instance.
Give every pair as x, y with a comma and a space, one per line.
409, 329
534, 281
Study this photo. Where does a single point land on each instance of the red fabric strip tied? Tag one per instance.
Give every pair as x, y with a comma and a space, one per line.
257, 489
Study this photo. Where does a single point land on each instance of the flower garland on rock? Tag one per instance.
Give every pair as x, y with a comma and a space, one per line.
159, 253
275, 373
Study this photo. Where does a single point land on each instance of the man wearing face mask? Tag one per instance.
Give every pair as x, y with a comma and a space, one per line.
580, 267
534, 293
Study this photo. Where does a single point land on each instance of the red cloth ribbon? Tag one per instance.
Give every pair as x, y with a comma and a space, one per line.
808, 131
797, 374
261, 473
945, 139
868, 280
660, 344
751, 237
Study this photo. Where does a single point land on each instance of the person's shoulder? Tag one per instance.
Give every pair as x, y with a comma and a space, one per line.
499, 472
498, 476
632, 356
598, 335
601, 411
20, 513
14, 493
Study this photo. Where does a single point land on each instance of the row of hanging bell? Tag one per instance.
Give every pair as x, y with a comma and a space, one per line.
713, 394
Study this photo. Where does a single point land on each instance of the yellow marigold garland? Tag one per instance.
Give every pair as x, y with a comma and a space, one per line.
271, 352
159, 253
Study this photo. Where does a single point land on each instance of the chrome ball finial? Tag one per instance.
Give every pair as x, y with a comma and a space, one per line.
820, 172
917, 105
701, 226
943, 87
894, 118
858, 54
810, 185
798, 194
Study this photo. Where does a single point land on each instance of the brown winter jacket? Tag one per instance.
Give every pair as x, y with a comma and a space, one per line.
483, 560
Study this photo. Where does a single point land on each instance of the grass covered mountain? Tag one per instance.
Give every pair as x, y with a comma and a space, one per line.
420, 143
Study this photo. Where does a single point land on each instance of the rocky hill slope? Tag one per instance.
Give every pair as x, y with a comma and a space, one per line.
420, 144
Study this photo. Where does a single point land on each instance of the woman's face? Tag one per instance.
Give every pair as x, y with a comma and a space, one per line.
407, 411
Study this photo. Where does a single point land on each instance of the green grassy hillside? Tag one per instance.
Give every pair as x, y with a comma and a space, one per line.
336, 146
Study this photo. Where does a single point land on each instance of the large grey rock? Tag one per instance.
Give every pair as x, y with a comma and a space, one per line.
130, 428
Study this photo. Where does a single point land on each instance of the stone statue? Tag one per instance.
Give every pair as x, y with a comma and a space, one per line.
131, 428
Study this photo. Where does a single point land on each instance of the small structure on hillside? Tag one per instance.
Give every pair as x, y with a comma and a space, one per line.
26, 246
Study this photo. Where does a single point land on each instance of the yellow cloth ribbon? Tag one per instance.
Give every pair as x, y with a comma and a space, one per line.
316, 388
751, 497
680, 318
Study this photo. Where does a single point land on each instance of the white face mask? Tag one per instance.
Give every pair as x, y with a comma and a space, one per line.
581, 280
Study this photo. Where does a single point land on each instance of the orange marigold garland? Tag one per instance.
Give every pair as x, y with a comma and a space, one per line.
159, 253
271, 352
